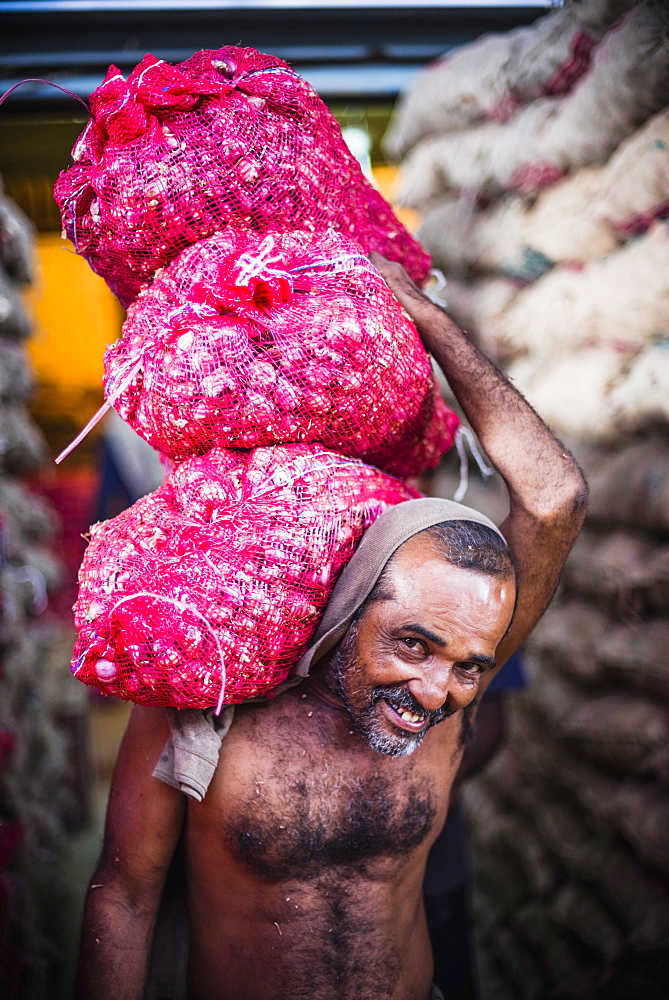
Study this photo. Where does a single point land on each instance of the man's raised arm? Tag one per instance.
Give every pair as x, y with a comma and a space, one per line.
144, 820
547, 491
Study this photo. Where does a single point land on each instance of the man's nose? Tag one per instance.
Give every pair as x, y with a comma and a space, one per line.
438, 687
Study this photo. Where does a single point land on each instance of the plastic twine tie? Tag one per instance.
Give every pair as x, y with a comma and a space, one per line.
123, 384
347, 262
433, 293
285, 70
462, 435
252, 265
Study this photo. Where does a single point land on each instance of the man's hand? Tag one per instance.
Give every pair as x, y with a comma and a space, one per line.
405, 290
547, 492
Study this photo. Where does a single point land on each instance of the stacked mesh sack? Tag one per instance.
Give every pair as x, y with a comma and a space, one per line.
291, 337
207, 591
262, 355
175, 153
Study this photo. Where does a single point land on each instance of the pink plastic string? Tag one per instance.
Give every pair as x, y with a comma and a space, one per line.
49, 83
253, 265
182, 606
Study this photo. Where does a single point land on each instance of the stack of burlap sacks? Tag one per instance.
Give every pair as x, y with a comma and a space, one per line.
560, 268
41, 714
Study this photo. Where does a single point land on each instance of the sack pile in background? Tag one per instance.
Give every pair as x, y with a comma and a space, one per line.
41, 717
571, 277
559, 268
569, 821
219, 198
497, 74
551, 135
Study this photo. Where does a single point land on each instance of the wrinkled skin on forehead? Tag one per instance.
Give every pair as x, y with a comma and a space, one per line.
418, 651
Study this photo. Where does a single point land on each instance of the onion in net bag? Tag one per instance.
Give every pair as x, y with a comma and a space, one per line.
174, 153
247, 340
207, 591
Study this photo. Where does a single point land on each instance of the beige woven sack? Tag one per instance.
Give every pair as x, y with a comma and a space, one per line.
608, 567
552, 135
491, 76
641, 399
585, 215
478, 306
637, 655
566, 638
628, 82
483, 160
631, 488
572, 391
623, 730
517, 237
634, 185
622, 298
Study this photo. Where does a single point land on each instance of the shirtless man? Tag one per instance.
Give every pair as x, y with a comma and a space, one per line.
305, 859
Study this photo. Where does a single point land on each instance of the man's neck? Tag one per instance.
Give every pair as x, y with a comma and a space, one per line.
318, 686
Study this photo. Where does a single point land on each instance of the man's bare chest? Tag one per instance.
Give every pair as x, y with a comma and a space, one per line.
295, 801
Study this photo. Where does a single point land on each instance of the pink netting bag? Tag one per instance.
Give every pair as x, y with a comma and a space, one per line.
247, 340
207, 591
174, 153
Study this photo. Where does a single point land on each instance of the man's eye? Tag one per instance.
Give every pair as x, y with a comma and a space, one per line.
471, 668
413, 644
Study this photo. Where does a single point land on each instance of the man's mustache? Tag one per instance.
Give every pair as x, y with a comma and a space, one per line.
399, 696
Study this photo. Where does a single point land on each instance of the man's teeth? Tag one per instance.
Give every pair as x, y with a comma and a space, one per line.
410, 716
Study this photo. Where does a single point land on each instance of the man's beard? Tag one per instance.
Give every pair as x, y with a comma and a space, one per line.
361, 703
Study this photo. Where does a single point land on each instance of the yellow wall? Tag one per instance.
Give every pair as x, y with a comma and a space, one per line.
387, 181
76, 316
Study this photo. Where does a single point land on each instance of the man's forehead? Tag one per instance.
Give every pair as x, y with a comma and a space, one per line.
418, 562
418, 554
413, 547
425, 590
419, 575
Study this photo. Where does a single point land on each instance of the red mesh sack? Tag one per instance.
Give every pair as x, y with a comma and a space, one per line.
207, 591
174, 153
247, 340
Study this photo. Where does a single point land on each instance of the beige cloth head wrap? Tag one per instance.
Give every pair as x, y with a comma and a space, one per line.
190, 755
395, 526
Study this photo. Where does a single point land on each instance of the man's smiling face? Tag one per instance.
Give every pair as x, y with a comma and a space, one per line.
417, 653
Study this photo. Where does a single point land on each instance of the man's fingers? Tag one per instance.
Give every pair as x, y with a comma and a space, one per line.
397, 280
390, 269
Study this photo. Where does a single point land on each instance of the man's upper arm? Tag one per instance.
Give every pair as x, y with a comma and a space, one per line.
144, 816
540, 547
